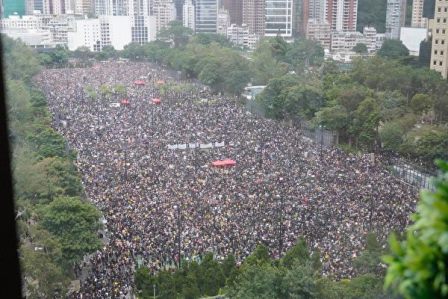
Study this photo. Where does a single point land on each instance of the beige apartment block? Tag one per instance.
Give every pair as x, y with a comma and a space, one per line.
418, 21
439, 49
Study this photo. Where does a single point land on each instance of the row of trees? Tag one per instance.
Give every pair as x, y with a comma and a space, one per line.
57, 228
380, 102
296, 275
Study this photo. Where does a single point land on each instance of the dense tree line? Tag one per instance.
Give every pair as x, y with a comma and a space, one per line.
56, 226
382, 102
295, 275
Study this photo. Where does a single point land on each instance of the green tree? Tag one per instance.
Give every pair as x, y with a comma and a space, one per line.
372, 13
176, 32
417, 265
393, 49
421, 103
300, 281
75, 224
360, 48
258, 281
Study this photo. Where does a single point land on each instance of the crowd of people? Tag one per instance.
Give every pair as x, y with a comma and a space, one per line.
162, 203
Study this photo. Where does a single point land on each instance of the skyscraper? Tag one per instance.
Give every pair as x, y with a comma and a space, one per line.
278, 18
439, 51
254, 16
395, 18
206, 16
188, 15
313, 11
417, 14
235, 9
163, 12
342, 14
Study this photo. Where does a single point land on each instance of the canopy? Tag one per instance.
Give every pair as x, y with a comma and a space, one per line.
156, 101
124, 102
139, 82
224, 163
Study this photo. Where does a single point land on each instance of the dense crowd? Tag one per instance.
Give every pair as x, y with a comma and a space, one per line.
154, 197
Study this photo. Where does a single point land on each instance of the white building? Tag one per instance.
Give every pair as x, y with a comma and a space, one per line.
370, 34
105, 31
346, 41
24, 22
31, 37
222, 22
395, 18
188, 15
412, 37
241, 36
319, 31
380, 38
278, 18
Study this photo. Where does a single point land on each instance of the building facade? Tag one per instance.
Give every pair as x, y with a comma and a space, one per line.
254, 16
342, 14
418, 21
439, 50
278, 18
94, 34
395, 18
188, 15
206, 16
164, 12
319, 31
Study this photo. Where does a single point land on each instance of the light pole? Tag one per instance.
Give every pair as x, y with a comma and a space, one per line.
179, 227
321, 141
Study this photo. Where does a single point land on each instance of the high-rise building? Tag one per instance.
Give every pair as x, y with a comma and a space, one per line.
163, 12
103, 7
254, 16
418, 20
395, 18
11, 7
188, 16
83, 7
342, 14
313, 14
235, 9
206, 16
439, 51
139, 11
278, 18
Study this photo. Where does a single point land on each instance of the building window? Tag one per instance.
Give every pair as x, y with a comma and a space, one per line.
437, 30
436, 41
434, 62
441, 52
440, 62
438, 20
435, 52
442, 41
